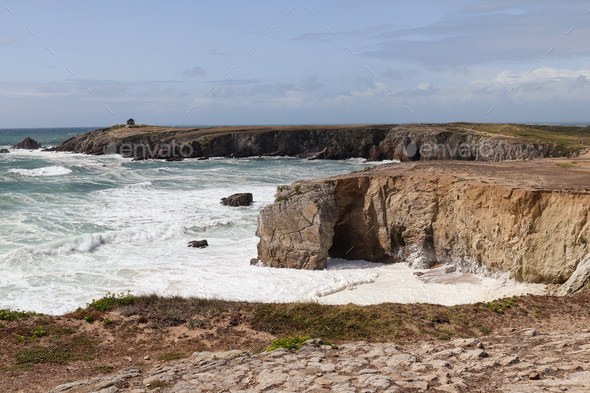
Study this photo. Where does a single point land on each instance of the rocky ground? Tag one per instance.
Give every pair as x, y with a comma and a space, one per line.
512, 361
175, 344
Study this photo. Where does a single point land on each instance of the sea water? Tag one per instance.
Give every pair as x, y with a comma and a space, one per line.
74, 227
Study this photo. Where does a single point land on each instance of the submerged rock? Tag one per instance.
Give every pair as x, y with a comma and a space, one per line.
242, 199
27, 143
2, 151
198, 243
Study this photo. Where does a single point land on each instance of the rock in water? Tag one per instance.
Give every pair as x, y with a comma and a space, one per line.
243, 199
28, 143
4, 151
198, 243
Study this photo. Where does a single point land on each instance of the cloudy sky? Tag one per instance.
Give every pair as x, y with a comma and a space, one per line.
71, 63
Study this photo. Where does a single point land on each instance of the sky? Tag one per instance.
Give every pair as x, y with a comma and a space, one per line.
78, 64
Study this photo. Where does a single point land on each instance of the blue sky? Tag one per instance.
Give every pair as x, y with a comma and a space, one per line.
328, 62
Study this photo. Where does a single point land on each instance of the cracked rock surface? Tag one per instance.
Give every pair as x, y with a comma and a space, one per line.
516, 361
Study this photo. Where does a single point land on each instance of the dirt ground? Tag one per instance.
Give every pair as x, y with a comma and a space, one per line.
41, 352
546, 173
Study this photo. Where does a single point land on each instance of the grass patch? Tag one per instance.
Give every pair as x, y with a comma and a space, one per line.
346, 322
104, 369
458, 181
565, 165
170, 356
110, 301
45, 355
156, 384
9, 315
583, 240
295, 343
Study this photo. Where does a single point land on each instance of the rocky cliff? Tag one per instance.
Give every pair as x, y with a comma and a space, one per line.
531, 219
375, 143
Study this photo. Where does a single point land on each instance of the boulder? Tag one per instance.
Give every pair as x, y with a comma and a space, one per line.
27, 143
242, 199
173, 159
4, 151
198, 243
297, 230
578, 280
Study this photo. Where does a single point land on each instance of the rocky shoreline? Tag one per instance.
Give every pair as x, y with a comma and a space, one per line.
530, 219
372, 142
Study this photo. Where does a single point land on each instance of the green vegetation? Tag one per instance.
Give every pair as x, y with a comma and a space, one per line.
583, 240
88, 318
565, 165
107, 322
111, 300
170, 356
104, 369
295, 343
563, 140
458, 181
388, 322
9, 315
156, 384
499, 305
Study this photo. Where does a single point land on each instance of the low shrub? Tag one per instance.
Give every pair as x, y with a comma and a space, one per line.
288, 342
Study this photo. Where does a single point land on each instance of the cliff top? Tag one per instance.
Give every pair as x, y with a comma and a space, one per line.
561, 135
547, 173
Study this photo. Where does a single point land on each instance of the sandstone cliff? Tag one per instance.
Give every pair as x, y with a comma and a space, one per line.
531, 219
375, 143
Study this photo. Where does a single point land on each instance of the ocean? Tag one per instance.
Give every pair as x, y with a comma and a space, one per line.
74, 227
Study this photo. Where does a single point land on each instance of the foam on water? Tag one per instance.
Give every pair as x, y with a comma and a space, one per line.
397, 283
47, 171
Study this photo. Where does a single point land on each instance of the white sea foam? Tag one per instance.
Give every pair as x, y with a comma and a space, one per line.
397, 283
46, 171
89, 242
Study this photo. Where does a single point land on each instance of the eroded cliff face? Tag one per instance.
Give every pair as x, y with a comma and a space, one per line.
297, 230
537, 234
375, 143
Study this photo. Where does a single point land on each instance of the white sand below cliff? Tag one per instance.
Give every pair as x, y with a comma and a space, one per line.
397, 283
